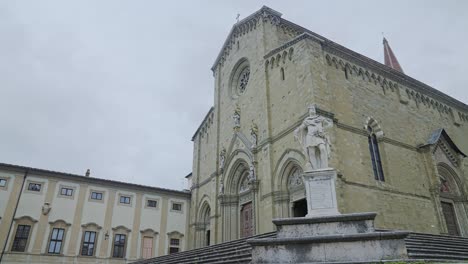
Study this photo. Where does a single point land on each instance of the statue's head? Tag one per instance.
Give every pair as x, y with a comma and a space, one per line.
312, 110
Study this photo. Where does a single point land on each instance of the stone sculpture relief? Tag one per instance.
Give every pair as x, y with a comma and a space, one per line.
236, 117
46, 208
251, 176
222, 158
254, 134
314, 140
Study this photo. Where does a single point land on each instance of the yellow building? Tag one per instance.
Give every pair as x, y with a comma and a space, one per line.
55, 217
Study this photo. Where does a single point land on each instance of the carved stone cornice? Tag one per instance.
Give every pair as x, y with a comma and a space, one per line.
389, 80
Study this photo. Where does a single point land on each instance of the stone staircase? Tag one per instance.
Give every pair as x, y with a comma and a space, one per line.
235, 251
436, 247
419, 246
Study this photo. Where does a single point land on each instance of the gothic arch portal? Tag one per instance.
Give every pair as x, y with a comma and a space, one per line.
204, 224
290, 192
238, 198
451, 193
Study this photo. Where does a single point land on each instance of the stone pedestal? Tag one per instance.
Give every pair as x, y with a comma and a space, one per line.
320, 192
339, 238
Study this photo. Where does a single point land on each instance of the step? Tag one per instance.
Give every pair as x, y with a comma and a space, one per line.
438, 251
436, 246
437, 242
437, 236
222, 259
224, 251
207, 252
203, 259
435, 256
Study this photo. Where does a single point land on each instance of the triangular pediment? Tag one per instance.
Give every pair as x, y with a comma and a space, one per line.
440, 142
240, 142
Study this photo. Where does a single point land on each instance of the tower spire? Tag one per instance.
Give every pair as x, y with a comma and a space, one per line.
390, 59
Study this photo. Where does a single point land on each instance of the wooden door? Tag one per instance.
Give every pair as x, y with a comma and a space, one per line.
450, 219
147, 247
246, 220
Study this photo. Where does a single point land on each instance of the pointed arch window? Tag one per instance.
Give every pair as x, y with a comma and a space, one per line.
375, 155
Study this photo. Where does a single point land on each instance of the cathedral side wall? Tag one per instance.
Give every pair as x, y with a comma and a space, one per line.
406, 125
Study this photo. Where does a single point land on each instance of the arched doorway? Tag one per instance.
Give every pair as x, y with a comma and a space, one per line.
238, 202
204, 226
245, 201
296, 192
206, 222
449, 193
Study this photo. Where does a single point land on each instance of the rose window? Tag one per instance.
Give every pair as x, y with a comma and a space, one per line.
243, 80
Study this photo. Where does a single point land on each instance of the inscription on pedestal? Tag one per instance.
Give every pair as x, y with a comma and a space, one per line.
320, 193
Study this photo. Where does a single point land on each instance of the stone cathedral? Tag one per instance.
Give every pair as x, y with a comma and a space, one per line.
397, 144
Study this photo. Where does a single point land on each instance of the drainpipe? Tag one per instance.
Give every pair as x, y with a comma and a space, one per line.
14, 214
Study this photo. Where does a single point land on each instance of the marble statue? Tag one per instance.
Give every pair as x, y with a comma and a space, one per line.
236, 117
254, 134
251, 176
221, 188
314, 141
222, 158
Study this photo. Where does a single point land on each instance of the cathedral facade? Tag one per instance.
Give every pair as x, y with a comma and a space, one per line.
398, 144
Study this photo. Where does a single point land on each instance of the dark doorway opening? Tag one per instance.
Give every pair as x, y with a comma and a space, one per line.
207, 237
450, 219
300, 208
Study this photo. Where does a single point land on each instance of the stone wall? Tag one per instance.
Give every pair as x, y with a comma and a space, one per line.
289, 72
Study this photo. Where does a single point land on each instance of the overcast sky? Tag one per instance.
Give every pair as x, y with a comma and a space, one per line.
120, 87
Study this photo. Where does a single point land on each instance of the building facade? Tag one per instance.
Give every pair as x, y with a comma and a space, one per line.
398, 144
53, 217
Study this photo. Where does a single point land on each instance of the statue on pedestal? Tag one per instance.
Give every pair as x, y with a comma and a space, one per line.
314, 141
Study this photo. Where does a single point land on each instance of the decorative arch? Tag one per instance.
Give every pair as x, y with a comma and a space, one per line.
239, 78
236, 171
203, 225
26, 218
121, 228
447, 173
289, 195
373, 124
451, 193
374, 134
237, 205
290, 157
91, 225
59, 223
